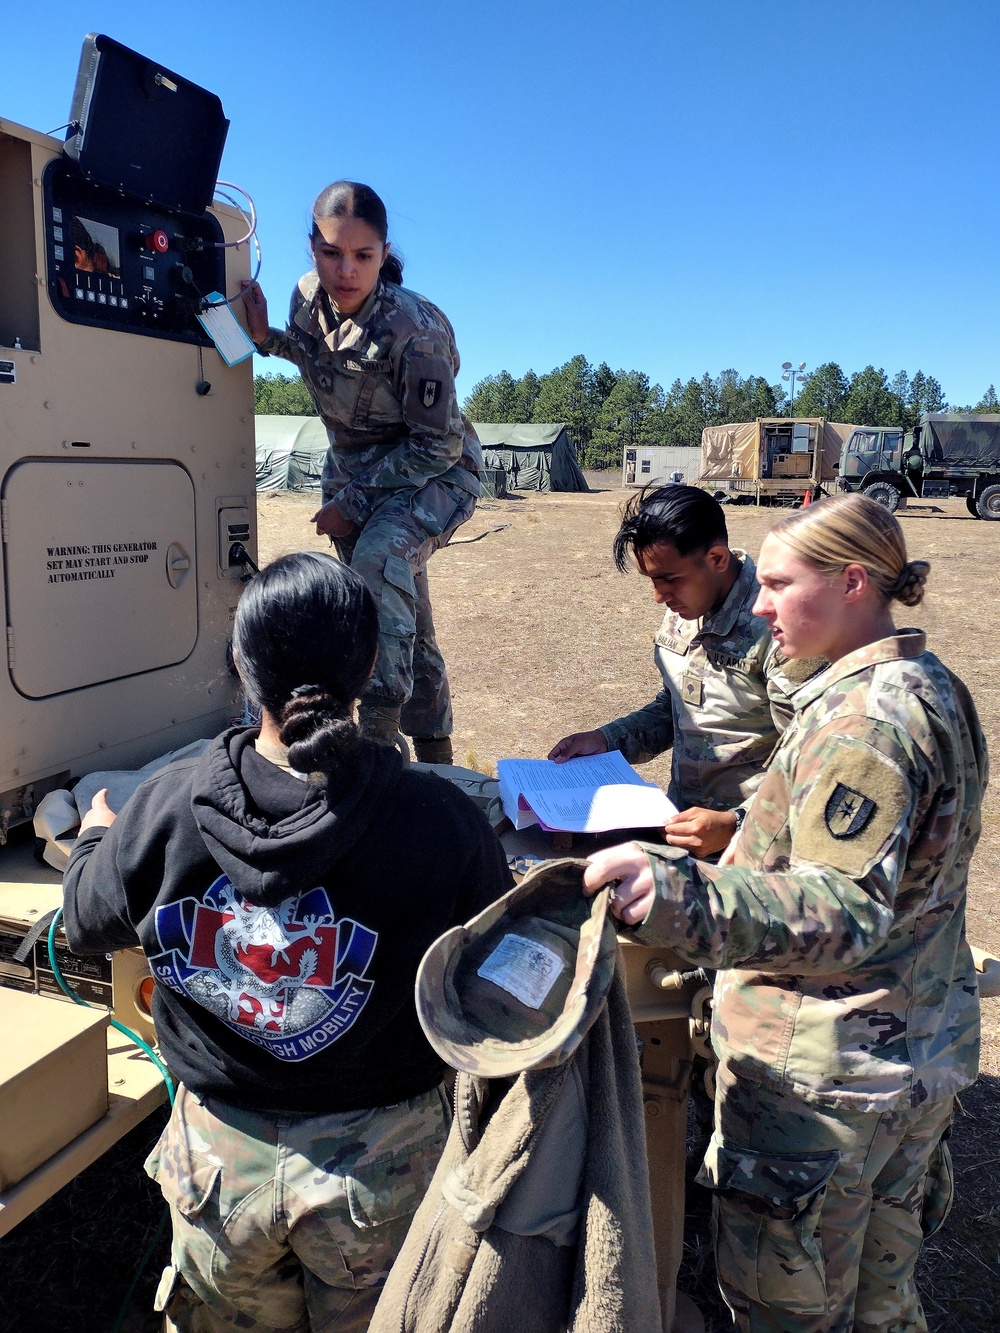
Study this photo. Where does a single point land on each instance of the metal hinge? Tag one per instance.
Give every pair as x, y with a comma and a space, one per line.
4, 518
10, 646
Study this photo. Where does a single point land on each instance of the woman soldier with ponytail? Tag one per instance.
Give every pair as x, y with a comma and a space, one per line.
284, 887
846, 1009
402, 472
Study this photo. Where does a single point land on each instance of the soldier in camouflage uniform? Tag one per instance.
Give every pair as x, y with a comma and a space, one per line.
846, 1016
402, 473
725, 690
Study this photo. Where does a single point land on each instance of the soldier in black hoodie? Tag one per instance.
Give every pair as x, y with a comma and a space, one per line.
284, 887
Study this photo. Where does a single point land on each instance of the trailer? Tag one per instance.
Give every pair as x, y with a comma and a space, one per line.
657, 464
772, 460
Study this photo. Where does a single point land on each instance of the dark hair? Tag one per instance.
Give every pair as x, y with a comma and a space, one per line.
350, 199
304, 640
683, 517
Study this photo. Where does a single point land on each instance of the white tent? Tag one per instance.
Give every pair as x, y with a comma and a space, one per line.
290, 452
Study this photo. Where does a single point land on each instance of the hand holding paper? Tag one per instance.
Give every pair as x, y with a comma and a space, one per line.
591, 794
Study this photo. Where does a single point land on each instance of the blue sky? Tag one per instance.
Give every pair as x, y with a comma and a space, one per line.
670, 187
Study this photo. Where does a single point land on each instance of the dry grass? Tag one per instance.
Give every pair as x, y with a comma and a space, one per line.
543, 637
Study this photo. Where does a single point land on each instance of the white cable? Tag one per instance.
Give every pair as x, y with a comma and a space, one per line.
251, 220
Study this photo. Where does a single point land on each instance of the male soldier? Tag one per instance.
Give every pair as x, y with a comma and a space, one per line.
725, 685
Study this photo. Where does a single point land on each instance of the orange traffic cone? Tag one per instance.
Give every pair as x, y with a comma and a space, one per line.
807, 499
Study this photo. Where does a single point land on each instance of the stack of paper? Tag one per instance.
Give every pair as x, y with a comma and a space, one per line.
587, 795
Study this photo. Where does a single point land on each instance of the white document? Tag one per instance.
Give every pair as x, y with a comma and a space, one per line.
224, 329
588, 795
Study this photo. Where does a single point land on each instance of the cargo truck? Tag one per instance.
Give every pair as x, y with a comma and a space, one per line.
946, 454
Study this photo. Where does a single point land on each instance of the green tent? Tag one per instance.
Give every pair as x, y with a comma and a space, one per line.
535, 458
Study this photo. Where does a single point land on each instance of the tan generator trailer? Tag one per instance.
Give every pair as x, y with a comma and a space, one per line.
773, 460
123, 488
127, 498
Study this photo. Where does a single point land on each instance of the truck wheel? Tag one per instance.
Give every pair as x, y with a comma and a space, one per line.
888, 496
970, 504
988, 503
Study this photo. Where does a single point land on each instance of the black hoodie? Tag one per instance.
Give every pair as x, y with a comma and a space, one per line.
283, 922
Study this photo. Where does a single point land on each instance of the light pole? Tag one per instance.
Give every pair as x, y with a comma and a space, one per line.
790, 372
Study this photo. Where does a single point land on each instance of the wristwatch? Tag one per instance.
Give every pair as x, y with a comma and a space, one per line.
741, 814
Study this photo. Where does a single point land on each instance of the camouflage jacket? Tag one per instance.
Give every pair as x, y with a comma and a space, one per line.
841, 924
723, 704
383, 381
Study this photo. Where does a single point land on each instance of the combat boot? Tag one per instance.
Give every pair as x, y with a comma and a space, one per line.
433, 749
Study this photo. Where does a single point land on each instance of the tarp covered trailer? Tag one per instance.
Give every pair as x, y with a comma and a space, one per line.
773, 460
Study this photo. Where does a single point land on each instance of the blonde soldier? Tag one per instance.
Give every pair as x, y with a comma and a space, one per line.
848, 1016
403, 468
725, 690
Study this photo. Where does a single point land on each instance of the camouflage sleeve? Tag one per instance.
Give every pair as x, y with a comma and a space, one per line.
426, 379
856, 794
278, 343
644, 734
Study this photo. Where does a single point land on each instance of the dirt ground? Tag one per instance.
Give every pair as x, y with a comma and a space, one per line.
543, 637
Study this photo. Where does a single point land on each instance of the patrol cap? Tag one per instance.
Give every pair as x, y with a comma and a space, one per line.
519, 985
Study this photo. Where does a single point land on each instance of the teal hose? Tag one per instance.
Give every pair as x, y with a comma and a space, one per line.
132, 1036
171, 1094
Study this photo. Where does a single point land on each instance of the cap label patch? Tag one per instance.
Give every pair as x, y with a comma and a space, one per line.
523, 968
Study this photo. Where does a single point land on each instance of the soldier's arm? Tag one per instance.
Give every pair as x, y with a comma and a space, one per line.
278, 343
426, 383
95, 907
644, 734
855, 799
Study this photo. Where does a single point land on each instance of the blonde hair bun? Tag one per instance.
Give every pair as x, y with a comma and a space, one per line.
909, 587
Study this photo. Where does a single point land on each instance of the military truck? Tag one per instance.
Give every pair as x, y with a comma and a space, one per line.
946, 454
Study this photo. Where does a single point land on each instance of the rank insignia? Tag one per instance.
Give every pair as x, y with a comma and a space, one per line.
430, 392
848, 812
693, 690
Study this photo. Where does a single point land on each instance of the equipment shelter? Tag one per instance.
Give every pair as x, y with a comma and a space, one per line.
290, 452
534, 458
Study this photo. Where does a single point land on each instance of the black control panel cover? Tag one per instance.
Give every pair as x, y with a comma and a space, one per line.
120, 263
138, 127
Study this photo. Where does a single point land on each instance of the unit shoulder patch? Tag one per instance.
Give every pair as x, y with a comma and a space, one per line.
430, 391
848, 812
854, 805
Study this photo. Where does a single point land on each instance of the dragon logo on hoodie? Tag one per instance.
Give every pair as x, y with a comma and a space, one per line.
289, 977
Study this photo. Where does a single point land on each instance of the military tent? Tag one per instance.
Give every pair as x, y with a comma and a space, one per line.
290, 452
534, 458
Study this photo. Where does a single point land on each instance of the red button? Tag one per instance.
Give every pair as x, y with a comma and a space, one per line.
157, 241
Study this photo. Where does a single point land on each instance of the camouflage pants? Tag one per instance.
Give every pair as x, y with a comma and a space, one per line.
289, 1224
820, 1213
390, 553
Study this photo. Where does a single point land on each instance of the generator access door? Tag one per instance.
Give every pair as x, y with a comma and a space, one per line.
100, 571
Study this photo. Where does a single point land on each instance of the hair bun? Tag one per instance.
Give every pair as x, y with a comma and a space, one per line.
909, 587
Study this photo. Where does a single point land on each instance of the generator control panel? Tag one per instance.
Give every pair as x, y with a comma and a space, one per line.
125, 264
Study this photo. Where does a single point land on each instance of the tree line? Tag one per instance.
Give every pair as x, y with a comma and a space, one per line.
606, 410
